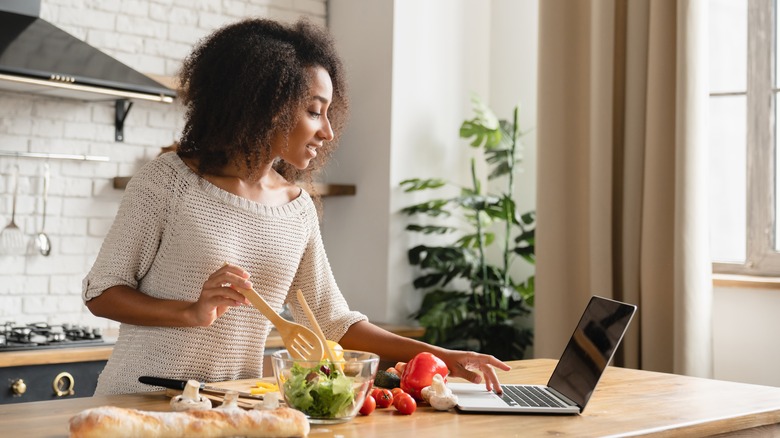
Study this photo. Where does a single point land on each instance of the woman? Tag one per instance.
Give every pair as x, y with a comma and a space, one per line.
265, 104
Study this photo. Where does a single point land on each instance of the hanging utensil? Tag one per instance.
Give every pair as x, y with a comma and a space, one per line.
301, 342
42, 241
12, 237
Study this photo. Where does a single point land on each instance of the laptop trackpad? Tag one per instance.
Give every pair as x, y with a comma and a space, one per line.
472, 394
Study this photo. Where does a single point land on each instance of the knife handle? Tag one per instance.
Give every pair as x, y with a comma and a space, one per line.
165, 383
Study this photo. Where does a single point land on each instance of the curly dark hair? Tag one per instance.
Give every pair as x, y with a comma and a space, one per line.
249, 80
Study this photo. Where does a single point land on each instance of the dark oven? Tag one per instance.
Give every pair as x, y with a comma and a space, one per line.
45, 362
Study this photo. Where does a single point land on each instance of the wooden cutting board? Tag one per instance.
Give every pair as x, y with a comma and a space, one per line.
244, 385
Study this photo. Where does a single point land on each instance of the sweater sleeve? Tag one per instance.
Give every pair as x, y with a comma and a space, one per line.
134, 238
322, 294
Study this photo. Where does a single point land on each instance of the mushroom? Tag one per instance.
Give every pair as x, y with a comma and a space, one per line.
230, 402
270, 400
439, 395
190, 398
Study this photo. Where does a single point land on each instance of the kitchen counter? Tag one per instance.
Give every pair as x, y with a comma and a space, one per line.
626, 402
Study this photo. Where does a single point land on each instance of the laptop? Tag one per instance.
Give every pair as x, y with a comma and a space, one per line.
586, 356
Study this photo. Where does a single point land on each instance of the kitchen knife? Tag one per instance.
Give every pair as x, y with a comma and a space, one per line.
180, 384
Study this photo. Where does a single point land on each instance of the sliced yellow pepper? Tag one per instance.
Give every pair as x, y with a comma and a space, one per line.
338, 351
262, 387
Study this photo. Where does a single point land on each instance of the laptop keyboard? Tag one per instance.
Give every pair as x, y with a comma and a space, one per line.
528, 396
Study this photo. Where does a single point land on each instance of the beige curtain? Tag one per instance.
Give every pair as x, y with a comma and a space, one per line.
622, 202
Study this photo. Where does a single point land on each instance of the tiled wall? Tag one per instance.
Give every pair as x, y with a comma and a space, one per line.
151, 36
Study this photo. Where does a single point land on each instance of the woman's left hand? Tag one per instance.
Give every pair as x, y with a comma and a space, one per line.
468, 365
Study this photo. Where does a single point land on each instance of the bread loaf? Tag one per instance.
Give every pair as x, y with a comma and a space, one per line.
110, 421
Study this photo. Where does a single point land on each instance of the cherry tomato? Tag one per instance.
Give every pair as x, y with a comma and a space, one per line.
369, 404
406, 404
395, 392
383, 396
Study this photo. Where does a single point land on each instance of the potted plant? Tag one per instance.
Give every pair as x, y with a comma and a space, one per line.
471, 301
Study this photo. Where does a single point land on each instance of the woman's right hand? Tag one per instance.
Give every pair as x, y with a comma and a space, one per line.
218, 294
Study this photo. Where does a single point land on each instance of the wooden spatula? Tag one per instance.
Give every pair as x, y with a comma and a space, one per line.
301, 342
317, 329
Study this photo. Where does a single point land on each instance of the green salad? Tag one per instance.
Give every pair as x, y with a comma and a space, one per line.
319, 392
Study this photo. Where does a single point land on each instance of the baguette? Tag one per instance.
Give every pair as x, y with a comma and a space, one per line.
110, 421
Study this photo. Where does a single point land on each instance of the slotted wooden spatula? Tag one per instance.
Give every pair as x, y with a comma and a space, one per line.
301, 342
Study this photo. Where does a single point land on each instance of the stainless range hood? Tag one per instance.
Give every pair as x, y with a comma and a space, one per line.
38, 57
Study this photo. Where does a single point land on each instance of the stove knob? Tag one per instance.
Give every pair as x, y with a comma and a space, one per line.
19, 387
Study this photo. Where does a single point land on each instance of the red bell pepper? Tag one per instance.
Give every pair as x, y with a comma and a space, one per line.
419, 373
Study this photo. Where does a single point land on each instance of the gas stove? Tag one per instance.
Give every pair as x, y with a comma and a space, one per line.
15, 337
48, 375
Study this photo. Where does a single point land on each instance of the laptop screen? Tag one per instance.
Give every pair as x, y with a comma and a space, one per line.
591, 348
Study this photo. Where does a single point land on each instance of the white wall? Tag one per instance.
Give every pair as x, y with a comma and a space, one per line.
745, 331
413, 66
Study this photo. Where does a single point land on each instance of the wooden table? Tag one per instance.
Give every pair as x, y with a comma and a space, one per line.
626, 403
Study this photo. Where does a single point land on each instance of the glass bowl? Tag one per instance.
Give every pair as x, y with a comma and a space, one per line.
327, 392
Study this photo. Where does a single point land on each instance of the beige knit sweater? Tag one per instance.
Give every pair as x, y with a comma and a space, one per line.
172, 231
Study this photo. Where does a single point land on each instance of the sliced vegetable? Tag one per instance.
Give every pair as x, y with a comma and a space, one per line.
264, 387
338, 351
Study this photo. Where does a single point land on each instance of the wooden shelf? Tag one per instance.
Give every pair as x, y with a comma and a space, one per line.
120, 182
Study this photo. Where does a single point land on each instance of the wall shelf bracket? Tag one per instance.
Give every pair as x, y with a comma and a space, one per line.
122, 109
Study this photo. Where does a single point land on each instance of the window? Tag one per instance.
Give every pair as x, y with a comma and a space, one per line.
743, 117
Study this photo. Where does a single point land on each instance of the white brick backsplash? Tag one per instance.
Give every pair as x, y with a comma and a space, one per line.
11, 308
18, 125
86, 169
59, 265
138, 8
40, 304
76, 187
151, 36
11, 265
89, 208
140, 26
166, 48
104, 5
173, 14
60, 109
22, 284
84, 131
76, 17
214, 21
48, 128
185, 34
65, 284
64, 226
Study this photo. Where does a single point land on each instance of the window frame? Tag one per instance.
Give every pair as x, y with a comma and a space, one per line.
762, 91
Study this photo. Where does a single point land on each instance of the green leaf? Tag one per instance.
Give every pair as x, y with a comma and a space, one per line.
430, 229
482, 135
415, 184
472, 240
433, 208
477, 202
